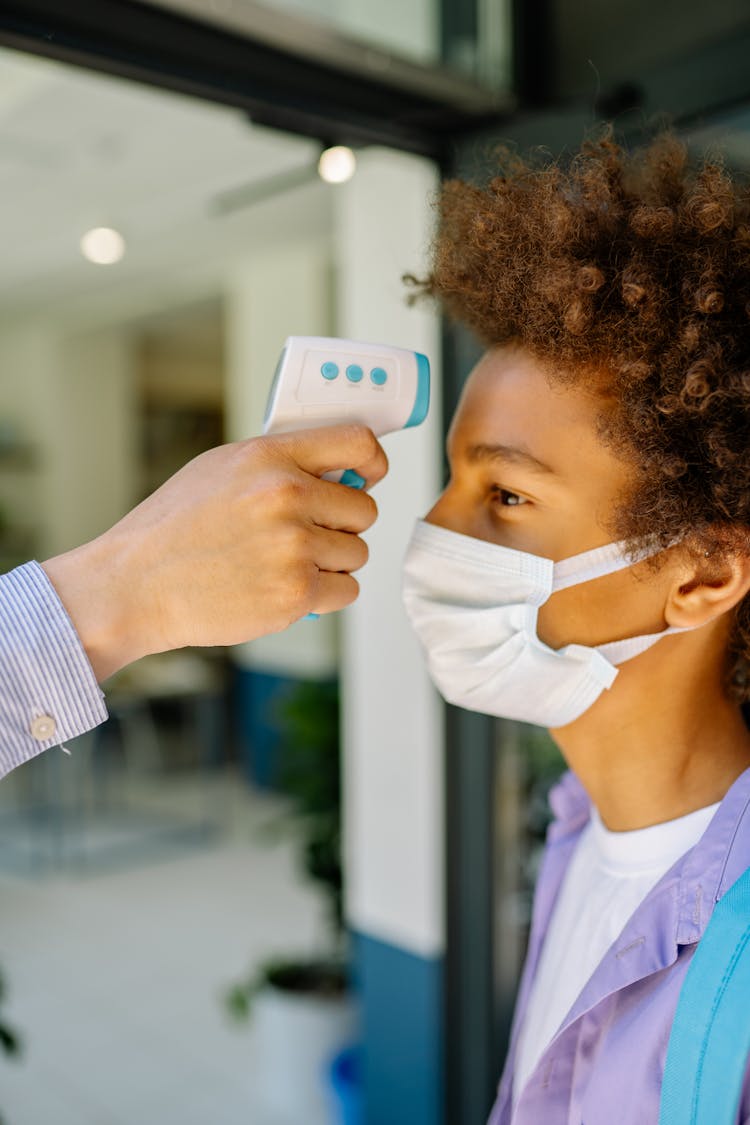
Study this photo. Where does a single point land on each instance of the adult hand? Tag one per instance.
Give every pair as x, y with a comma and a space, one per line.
242, 541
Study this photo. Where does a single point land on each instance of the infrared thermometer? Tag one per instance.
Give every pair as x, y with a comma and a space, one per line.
322, 381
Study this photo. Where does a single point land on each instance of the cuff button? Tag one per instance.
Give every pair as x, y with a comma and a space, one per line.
43, 727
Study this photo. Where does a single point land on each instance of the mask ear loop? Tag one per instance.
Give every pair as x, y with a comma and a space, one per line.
596, 564
617, 652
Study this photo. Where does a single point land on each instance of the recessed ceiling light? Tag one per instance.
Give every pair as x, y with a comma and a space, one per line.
103, 245
337, 164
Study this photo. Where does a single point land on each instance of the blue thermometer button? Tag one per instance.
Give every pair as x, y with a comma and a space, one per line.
379, 376
329, 370
354, 373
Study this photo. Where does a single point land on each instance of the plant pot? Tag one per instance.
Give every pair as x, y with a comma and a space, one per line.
298, 1032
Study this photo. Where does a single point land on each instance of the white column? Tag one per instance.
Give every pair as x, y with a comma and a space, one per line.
94, 437
72, 398
393, 728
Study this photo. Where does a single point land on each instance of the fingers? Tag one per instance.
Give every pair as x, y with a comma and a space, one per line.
279, 478
337, 506
335, 591
336, 551
337, 447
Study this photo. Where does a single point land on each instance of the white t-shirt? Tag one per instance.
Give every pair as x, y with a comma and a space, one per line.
609, 875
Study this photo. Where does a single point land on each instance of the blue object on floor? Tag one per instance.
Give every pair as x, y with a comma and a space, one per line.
346, 1079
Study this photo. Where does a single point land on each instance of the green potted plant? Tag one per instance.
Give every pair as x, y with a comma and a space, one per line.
302, 1007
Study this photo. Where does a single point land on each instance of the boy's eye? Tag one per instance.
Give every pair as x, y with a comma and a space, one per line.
507, 499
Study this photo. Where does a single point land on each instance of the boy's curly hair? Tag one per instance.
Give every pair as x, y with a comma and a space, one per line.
634, 267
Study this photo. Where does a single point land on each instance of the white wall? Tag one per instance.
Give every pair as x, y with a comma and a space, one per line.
393, 720
28, 403
95, 479
72, 400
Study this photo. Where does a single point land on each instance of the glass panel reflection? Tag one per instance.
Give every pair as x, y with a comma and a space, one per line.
472, 38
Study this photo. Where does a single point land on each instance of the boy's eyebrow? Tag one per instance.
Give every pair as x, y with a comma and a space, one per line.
514, 454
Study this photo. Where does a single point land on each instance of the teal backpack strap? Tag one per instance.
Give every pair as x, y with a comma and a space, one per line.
710, 1040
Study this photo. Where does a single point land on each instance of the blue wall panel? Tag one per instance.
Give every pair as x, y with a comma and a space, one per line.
402, 1014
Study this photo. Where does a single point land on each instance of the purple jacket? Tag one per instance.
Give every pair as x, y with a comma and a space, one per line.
605, 1064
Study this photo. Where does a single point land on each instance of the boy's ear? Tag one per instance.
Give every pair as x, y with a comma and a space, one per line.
708, 588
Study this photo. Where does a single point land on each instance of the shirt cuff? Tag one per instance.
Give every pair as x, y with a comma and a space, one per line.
48, 690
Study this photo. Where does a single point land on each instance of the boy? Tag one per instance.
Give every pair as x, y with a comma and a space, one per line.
608, 419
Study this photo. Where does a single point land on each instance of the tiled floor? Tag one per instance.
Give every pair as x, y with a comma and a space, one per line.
115, 979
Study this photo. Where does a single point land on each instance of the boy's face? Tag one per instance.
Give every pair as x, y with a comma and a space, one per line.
529, 471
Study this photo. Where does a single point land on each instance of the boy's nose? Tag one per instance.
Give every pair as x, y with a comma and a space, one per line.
447, 512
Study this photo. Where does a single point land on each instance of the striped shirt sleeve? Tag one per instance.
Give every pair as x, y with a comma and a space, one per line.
48, 691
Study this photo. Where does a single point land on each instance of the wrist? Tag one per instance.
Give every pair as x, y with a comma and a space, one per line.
96, 588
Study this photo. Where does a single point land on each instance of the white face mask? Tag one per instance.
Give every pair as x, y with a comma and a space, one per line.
474, 607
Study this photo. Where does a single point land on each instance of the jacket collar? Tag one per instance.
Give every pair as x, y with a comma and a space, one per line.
677, 909
675, 912
710, 868
704, 874
571, 807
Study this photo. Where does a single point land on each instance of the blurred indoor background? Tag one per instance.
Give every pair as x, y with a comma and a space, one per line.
266, 815
163, 863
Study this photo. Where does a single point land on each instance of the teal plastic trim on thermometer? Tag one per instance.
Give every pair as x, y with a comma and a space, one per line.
422, 401
352, 479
